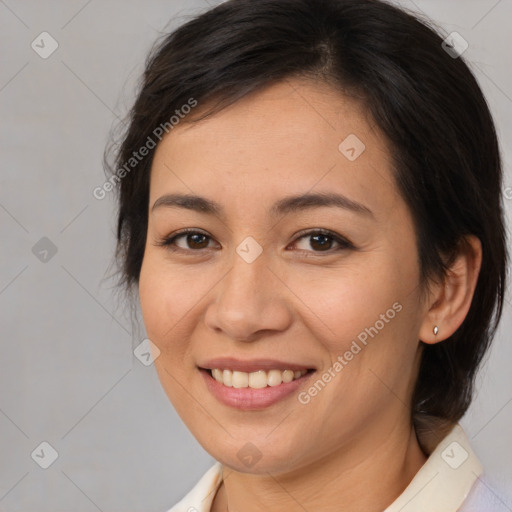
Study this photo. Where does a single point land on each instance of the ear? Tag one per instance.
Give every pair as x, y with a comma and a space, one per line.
450, 300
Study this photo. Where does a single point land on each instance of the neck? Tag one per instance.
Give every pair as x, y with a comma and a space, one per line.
385, 463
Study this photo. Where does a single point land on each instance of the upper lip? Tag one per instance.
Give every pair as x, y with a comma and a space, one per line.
250, 365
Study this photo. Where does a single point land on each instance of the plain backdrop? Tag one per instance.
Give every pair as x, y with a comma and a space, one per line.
68, 374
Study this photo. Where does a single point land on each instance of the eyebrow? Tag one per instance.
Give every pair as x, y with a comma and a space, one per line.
282, 207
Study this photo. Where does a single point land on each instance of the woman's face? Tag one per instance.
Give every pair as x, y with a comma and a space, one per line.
258, 289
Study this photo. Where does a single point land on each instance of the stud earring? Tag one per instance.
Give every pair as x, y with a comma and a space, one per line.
436, 329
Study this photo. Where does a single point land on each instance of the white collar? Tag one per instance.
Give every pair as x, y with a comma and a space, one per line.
441, 485
444, 481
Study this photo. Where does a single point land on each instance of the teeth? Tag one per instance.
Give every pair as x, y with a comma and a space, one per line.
287, 376
227, 378
256, 380
274, 377
240, 379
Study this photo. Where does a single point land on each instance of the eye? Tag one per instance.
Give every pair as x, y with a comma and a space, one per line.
193, 240
322, 240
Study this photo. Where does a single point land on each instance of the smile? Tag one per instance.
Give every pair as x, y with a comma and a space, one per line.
254, 390
255, 380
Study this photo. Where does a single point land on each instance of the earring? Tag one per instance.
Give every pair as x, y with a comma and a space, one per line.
436, 329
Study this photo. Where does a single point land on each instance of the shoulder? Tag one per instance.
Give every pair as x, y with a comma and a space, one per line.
483, 497
200, 498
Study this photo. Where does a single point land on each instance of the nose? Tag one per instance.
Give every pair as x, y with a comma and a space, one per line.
249, 302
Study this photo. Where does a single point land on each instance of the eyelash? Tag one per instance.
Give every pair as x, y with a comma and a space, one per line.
168, 242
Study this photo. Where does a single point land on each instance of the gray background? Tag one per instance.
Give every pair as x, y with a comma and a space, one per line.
68, 375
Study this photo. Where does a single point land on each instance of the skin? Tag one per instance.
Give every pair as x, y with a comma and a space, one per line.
295, 302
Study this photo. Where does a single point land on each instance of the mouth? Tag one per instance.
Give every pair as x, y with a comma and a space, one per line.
255, 390
256, 380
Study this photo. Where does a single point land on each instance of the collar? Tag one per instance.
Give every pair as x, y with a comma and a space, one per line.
444, 481
441, 485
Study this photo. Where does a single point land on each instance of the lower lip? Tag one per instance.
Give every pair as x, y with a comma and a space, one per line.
249, 398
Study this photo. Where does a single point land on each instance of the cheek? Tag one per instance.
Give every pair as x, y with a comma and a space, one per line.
348, 301
164, 307
366, 323
367, 314
167, 296
173, 300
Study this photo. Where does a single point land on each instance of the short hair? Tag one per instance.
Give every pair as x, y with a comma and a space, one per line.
426, 102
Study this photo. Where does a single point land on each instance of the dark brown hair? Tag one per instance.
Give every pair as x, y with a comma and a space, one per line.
426, 102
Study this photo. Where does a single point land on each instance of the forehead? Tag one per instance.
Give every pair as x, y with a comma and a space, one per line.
292, 137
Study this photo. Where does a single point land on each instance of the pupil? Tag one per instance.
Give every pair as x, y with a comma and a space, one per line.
195, 238
323, 244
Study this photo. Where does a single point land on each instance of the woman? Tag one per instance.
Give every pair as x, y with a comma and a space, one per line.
318, 247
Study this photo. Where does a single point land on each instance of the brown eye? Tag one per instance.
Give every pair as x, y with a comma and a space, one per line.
192, 241
323, 241
314, 241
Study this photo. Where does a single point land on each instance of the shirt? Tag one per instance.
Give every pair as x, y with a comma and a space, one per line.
449, 481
